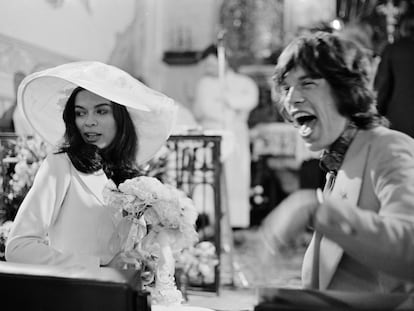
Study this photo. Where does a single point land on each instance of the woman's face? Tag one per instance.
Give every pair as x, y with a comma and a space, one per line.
94, 119
311, 105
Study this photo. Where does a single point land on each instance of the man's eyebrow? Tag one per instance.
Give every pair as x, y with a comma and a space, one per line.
313, 76
307, 76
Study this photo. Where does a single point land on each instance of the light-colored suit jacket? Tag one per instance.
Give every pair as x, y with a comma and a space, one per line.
63, 219
375, 192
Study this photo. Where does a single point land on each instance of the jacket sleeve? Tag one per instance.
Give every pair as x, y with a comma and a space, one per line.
28, 242
383, 239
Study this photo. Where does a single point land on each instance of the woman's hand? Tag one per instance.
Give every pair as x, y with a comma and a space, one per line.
123, 260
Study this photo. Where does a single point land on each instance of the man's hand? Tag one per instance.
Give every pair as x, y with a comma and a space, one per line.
290, 218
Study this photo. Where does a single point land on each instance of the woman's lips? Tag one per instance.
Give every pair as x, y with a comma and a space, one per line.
92, 137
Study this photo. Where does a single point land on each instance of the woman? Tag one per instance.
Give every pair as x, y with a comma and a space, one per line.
364, 221
111, 123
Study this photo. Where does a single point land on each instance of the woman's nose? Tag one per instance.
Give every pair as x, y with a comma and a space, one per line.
91, 120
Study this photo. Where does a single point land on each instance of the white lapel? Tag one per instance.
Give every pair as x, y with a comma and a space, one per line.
347, 187
94, 182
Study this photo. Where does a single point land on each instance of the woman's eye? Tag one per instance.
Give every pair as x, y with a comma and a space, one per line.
102, 111
79, 113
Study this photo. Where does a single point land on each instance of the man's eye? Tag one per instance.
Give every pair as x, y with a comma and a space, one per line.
284, 89
308, 84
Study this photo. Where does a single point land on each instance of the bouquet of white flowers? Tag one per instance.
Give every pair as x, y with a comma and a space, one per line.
161, 222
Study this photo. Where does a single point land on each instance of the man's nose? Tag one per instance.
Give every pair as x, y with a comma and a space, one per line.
294, 97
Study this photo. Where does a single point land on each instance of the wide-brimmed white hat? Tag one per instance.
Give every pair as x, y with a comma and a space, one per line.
42, 97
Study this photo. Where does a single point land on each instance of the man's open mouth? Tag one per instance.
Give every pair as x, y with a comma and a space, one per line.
305, 122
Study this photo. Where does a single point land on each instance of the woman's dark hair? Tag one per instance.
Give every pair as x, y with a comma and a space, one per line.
344, 65
117, 159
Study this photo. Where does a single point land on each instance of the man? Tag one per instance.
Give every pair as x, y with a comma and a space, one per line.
364, 221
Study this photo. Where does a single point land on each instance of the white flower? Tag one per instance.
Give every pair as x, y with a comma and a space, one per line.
5, 229
163, 207
145, 189
30, 153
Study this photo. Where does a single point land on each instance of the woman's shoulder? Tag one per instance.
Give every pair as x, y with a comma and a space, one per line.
57, 160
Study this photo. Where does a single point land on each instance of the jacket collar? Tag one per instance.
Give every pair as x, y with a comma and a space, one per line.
95, 182
347, 187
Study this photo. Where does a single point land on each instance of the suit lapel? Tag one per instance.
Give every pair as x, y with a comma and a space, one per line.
347, 187
94, 182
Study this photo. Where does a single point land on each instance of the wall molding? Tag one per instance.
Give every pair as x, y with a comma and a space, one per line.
16, 55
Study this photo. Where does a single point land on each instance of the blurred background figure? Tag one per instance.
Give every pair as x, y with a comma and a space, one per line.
227, 107
394, 80
7, 121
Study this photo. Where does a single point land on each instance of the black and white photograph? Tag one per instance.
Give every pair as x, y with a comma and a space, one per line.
207, 155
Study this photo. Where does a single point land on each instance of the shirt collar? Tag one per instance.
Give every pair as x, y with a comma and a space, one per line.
331, 159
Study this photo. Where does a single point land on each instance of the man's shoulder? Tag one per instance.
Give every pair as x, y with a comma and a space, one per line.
382, 131
386, 138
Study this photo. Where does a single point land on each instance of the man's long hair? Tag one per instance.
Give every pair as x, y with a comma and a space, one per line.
344, 65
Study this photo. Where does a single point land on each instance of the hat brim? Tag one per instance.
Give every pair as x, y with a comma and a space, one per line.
43, 95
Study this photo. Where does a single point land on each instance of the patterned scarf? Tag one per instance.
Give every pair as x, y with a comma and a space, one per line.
331, 160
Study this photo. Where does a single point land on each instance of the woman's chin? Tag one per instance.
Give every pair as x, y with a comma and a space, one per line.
97, 145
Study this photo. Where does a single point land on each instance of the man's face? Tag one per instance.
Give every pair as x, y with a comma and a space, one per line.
311, 104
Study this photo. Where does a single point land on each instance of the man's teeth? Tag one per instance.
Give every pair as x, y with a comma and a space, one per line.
305, 130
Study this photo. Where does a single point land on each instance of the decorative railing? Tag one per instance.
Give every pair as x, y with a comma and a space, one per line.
193, 165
